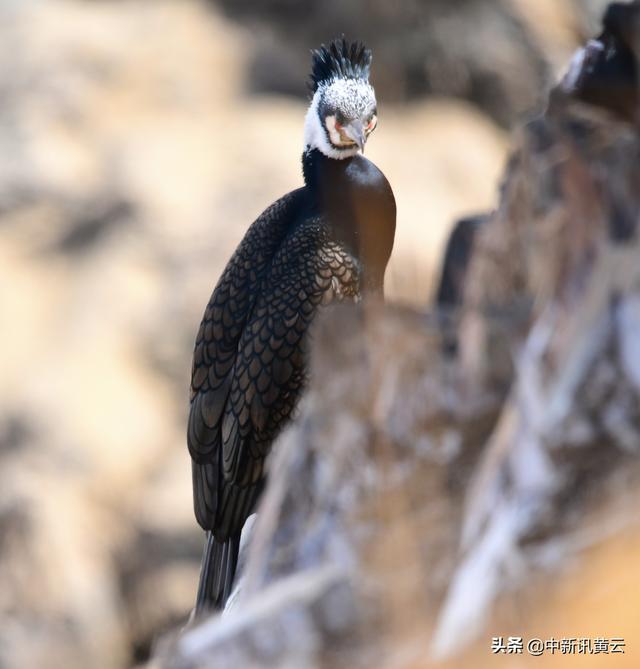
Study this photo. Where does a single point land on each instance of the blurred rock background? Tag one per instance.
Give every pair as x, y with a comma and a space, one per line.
138, 141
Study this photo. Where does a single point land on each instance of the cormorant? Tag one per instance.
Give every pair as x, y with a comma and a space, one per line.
605, 72
325, 242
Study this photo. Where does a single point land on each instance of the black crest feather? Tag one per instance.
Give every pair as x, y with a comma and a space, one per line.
340, 60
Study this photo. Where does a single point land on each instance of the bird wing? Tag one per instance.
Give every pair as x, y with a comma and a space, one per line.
268, 371
224, 321
216, 345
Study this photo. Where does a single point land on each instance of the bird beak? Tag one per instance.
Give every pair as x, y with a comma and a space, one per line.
355, 130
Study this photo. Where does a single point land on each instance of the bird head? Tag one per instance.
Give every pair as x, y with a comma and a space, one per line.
343, 111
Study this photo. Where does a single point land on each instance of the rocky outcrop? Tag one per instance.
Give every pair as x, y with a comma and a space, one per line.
118, 124
132, 160
420, 493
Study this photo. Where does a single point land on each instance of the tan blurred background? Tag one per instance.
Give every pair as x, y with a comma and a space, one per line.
138, 140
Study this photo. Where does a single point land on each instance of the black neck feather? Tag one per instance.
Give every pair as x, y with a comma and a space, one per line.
354, 201
311, 164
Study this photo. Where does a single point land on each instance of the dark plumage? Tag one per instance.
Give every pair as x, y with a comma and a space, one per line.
340, 60
605, 73
328, 241
456, 261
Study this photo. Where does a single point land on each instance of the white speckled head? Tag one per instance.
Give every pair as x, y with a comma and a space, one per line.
343, 111
341, 117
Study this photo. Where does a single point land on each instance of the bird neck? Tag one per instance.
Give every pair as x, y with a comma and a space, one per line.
311, 163
356, 204
319, 171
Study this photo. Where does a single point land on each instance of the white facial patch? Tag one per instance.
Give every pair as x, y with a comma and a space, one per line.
315, 136
334, 134
354, 98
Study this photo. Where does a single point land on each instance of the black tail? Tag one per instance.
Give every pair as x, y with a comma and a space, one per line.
456, 260
217, 572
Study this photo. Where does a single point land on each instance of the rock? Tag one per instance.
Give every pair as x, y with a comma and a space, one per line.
336, 499
123, 192
442, 490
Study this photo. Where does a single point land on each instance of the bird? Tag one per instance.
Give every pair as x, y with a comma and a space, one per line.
328, 241
605, 72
